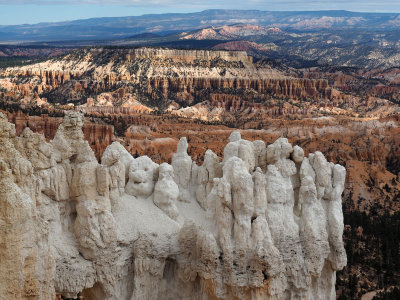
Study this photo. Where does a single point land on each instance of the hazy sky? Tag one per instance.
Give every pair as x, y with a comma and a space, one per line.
35, 11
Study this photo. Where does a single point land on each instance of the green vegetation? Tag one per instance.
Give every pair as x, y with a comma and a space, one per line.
120, 125
373, 248
17, 61
32, 111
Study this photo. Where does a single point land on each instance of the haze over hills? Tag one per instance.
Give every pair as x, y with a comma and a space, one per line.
293, 39
121, 27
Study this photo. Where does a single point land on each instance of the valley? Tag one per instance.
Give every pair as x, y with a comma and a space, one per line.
334, 90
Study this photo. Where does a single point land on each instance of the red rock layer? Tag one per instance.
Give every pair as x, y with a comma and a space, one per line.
264, 88
99, 136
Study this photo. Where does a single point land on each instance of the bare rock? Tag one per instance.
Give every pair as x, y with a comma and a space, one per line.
266, 223
166, 191
143, 173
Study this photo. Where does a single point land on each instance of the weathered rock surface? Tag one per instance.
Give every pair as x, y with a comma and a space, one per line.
200, 84
123, 77
257, 225
99, 136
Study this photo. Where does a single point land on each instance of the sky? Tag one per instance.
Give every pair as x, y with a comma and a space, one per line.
14, 12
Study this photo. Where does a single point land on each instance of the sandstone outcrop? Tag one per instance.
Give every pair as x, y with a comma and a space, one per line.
125, 78
257, 225
200, 84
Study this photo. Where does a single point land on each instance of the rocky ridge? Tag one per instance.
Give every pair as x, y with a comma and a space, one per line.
228, 32
156, 76
106, 28
199, 84
265, 223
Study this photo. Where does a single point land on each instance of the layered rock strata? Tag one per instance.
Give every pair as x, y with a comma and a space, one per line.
115, 77
265, 223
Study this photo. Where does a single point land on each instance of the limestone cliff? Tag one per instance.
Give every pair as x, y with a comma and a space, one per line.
265, 223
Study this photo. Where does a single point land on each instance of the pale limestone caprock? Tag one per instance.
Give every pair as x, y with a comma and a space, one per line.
265, 223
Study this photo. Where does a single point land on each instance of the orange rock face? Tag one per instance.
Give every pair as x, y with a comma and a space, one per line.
99, 136
157, 76
264, 88
145, 80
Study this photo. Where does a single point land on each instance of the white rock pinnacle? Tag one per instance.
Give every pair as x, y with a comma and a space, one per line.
266, 223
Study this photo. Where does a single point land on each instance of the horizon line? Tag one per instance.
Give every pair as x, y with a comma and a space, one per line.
194, 12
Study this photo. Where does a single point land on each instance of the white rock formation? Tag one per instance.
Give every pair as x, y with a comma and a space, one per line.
204, 177
266, 223
243, 149
182, 166
166, 191
143, 174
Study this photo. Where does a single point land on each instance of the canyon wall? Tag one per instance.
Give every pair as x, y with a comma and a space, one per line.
264, 223
199, 84
157, 76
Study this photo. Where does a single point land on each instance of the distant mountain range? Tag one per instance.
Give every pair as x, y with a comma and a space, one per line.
164, 24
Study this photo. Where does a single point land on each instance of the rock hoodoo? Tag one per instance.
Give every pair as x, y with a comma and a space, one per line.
264, 223
117, 80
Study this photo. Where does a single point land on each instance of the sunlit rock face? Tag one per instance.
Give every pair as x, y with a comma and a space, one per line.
264, 223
